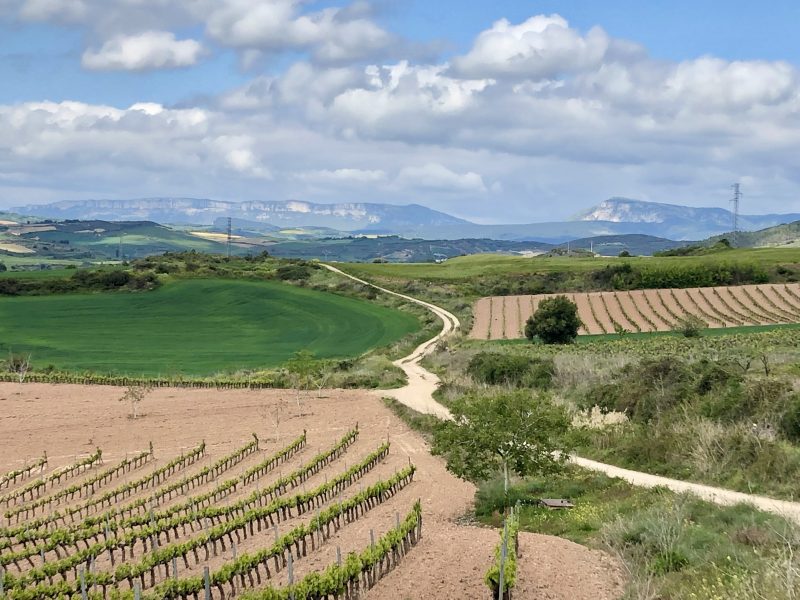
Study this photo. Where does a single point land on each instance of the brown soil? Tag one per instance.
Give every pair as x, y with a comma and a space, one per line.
496, 326
480, 324
450, 562
637, 298
720, 318
740, 305
513, 327
590, 324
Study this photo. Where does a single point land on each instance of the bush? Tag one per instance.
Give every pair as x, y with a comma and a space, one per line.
493, 368
790, 422
556, 321
293, 272
690, 326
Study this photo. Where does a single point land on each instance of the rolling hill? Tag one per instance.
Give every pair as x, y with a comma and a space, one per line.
615, 216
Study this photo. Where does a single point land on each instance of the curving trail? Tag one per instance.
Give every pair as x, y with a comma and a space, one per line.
418, 392
418, 395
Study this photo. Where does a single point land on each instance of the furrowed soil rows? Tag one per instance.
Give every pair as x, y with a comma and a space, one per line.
649, 310
313, 484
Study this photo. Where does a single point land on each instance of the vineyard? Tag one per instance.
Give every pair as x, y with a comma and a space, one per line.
504, 317
311, 505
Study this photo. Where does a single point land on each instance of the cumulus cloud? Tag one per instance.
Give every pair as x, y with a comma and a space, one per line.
434, 176
538, 114
541, 47
332, 34
144, 51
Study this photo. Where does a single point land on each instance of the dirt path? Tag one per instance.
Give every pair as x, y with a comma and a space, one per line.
418, 384
418, 392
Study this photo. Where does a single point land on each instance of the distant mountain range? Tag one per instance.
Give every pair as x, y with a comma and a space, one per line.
613, 217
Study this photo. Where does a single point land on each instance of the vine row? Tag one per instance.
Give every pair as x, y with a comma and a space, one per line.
110, 497
90, 486
63, 539
36, 488
10, 478
295, 542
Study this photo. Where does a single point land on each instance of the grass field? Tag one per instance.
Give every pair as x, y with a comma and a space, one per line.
465, 267
196, 327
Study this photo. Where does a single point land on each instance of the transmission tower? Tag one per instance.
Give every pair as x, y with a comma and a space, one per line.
230, 237
737, 196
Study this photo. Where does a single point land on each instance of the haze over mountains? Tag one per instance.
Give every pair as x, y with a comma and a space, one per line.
615, 216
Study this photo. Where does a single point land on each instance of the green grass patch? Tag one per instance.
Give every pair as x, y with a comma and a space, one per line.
610, 337
675, 546
194, 327
467, 267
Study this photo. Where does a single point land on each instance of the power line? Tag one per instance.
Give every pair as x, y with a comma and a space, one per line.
230, 237
737, 196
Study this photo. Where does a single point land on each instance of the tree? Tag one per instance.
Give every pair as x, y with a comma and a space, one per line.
625, 254
134, 395
19, 364
556, 321
515, 432
301, 366
3, 267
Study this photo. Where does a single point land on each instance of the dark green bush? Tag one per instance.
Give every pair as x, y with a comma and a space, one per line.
555, 321
494, 368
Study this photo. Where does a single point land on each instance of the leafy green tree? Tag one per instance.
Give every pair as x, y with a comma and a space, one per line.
556, 321
515, 432
3, 267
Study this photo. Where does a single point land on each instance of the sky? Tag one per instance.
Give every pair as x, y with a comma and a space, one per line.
501, 111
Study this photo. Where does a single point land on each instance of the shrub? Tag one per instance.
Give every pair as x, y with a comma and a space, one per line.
293, 272
556, 321
493, 368
790, 421
689, 326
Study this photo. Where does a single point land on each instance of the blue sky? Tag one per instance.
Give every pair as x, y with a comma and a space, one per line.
556, 108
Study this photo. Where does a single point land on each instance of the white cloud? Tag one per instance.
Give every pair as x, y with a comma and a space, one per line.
144, 51
331, 34
550, 121
346, 175
434, 176
541, 47
58, 10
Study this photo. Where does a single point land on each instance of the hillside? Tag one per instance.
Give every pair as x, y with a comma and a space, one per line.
95, 239
616, 216
787, 234
625, 210
289, 213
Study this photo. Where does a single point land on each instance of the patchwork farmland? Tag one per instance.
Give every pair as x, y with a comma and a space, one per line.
503, 317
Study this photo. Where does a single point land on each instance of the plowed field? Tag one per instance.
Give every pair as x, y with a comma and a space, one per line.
157, 517
503, 317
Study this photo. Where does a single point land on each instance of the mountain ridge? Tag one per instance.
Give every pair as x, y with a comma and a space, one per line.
615, 216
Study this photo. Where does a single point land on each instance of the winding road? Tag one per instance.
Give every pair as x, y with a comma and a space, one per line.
418, 395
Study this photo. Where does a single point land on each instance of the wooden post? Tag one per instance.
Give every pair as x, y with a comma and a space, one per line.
207, 583
338, 556
233, 549
2, 581
137, 590
371, 538
290, 575
175, 568
84, 596
503, 551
